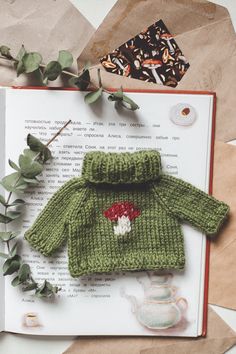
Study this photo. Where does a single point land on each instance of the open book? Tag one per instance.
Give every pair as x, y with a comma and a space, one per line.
180, 126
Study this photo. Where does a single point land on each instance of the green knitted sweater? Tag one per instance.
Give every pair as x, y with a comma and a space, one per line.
123, 214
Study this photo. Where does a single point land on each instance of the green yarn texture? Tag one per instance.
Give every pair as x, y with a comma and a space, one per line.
124, 213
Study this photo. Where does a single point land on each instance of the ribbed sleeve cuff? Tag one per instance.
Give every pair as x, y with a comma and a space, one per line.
38, 243
217, 220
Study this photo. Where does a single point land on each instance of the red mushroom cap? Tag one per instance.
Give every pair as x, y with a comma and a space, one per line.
119, 209
166, 36
152, 62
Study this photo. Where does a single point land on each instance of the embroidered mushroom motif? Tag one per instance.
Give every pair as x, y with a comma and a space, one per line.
122, 213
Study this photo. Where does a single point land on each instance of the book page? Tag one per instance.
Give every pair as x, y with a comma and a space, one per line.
108, 304
2, 172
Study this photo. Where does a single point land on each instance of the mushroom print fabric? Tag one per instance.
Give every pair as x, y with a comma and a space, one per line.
152, 56
122, 213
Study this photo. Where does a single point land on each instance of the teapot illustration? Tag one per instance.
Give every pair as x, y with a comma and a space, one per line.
160, 309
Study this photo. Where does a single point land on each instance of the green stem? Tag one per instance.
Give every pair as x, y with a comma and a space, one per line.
65, 72
9, 59
99, 78
6, 207
10, 194
58, 133
8, 247
54, 137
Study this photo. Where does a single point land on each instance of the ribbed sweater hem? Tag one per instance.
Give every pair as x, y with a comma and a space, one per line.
134, 266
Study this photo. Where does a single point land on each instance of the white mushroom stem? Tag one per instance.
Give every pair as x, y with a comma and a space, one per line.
156, 77
119, 63
153, 68
181, 57
123, 226
172, 50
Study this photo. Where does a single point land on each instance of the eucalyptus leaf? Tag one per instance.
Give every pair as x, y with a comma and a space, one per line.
4, 219
21, 185
116, 96
33, 181
93, 96
24, 272
20, 65
11, 265
41, 291
37, 146
46, 290
13, 235
129, 104
16, 202
31, 61
121, 99
30, 287
113, 98
38, 74
3, 255
14, 249
52, 70
6, 235
46, 154
16, 281
65, 58
13, 214
32, 154
13, 165
11, 268
29, 168
20, 188
20, 69
5, 51
82, 81
21, 53
34, 143
9, 181
2, 200
13, 182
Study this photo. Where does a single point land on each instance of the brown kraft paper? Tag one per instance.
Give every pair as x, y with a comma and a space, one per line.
222, 286
44, 26
202, 30
219, 339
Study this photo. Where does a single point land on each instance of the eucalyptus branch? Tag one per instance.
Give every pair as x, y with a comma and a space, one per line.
30, 166
32, 62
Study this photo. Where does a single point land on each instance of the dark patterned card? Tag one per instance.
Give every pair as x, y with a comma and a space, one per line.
152, 56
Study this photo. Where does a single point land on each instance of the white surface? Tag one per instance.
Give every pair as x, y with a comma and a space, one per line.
95, 11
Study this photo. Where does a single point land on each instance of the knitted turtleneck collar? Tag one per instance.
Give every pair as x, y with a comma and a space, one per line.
114, 168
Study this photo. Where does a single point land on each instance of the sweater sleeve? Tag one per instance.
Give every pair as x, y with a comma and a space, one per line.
190, 204
49, 230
